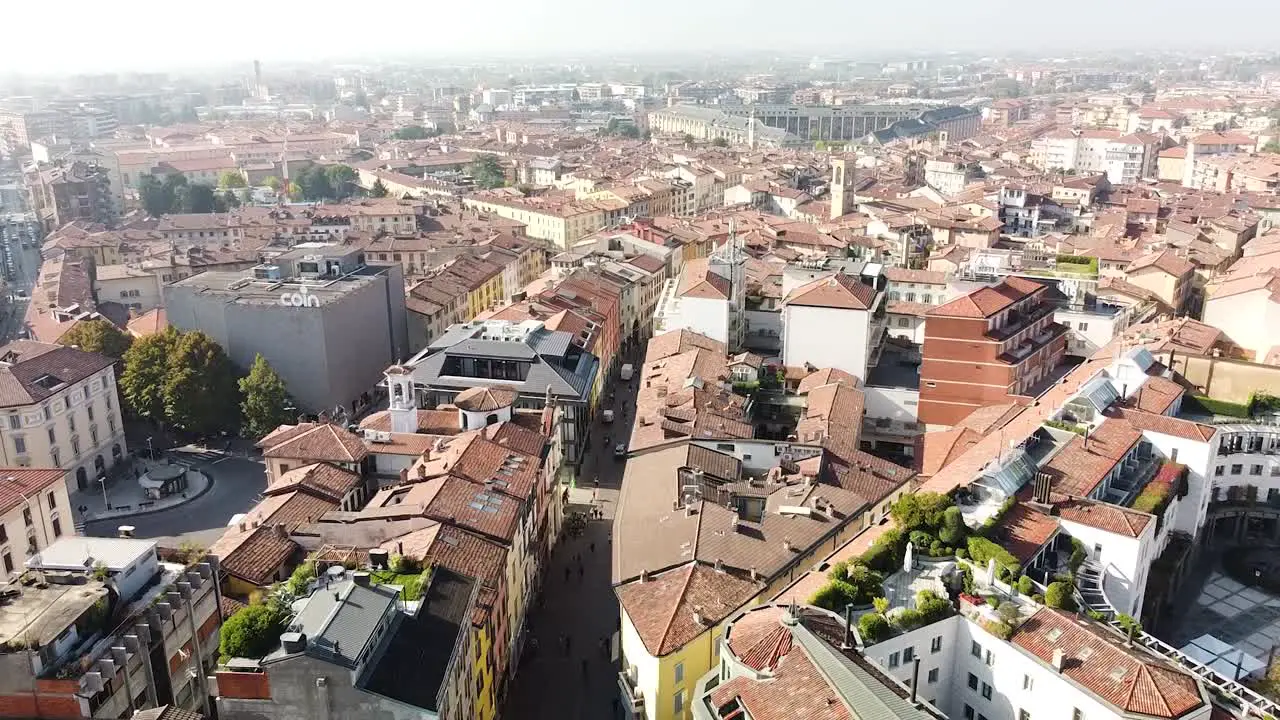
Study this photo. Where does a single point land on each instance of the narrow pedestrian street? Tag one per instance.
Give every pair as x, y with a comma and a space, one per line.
571, 673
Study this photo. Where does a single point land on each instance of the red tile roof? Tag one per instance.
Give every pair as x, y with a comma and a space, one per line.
839, 291
663, 608
1096, 660
989, 301
1104, 516
317, 442
19, 483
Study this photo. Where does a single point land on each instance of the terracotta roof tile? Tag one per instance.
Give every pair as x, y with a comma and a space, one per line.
663, 608
839, 291
317, 442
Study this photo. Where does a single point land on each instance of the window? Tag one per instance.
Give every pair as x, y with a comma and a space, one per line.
53, 501
75, 446
15, 422
1237, 468
968, 712
53, 436
1275, 471
677, 702
973, 681
93, 434
20, 444
986, 691
26, 516
1028, 683
4, 534
47, 415
8, 563
1084, 326
679, 672
911, 297
89, 407
933, 676
57, 457
893, 660
57, 527
1255, 469
1217, 472
991, 659
927, 299
71, 423
903, 322
908, 655
935, 645
1076, 714
975, 650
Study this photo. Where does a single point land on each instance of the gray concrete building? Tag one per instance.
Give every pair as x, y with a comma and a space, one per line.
326, 322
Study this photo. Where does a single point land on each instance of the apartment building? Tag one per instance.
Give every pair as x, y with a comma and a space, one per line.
1124, 159
709, 297
810, 308
985, 348
62, 193
669, 636
113, 629
63, 412
1166, 275
560, 220
35, 511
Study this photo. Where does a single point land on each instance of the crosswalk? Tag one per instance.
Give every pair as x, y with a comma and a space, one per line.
196, 456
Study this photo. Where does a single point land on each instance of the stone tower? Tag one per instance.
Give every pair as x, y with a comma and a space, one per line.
839, 188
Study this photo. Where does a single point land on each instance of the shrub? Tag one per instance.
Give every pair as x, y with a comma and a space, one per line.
253, 631
834, 596
881, 605
1009, 613
953, 530
1078, 555
931, 607
1209, 406
982, 550
962, 553
966, 579
1058, 595
1037, 597
402, 565
1068, 426
922, 540
301, 578
998, 628
1095, 615
1128, 624
1025, 586
873, 627
920, 511
885, 554
865, 582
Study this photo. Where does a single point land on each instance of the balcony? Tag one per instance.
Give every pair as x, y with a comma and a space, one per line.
632, 698
1019, 320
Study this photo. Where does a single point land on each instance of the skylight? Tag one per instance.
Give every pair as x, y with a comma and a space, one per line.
1053, 634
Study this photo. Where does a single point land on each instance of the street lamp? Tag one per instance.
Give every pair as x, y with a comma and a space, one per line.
102, 480
151, 452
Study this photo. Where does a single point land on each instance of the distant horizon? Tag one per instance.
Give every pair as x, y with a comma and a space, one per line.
148, 36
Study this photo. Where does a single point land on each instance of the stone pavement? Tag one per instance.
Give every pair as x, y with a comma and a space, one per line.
124, 496
582, 682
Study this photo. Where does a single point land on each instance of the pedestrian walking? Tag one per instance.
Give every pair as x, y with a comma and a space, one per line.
584, 668
593, 546
579, 572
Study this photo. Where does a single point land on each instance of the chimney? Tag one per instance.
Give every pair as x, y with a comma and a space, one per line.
422, 472
719, 565
644, 576
1058, 657
361, 578
915, 678
302, 419
697, 615
786, 545
282, 531
1041, 488
404, 475
1086, 437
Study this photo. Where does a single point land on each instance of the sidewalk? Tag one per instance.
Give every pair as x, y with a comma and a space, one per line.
125, 497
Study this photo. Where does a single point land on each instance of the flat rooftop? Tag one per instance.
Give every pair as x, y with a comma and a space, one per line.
82, 553
40, 614
241, 287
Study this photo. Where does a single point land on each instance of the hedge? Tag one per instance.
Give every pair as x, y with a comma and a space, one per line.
886, 553
983, 550
873, 627
1058, 595
1209, 406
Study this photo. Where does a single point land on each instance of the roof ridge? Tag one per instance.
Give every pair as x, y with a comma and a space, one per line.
675, 606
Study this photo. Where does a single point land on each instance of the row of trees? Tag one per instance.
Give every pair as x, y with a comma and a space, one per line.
185, 380
175, 195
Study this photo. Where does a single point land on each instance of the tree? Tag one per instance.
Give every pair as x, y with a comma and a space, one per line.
920, 510
231, 179
265, 404
720, 142
342, 179
246, 196
1058, 595
142, 381
227, 200
378, 190
487, 172
314, 183
411, 132
98, 336
953, 528
872, 627
253, 631
687, 139
200, 392
293, 191
156, 199
197, 198
361, 99
1272, 147
272, 182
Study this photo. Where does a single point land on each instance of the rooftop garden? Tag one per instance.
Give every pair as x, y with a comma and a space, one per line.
1259, 403
254, 630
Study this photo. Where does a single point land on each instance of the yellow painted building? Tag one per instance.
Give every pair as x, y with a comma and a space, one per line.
484, 704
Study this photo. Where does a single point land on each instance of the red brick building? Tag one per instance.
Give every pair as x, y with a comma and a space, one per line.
987, 348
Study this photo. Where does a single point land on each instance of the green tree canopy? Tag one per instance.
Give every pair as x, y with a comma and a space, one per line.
253, 631
142, 382
314, 184
412, 132
231, 179
343, 179
200, 391
487, 172
720, 142
196, 198
378, 190
265, 406
272, 182
99, 336
1272, 147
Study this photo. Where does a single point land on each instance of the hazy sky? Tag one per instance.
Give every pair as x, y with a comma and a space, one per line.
89, 35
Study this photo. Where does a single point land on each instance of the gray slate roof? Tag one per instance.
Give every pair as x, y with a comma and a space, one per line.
545, 350
339, 621
859, 688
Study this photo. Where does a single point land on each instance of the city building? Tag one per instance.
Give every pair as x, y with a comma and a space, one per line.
62, 193
111, 629
63, 412
833, 300
545, 368
800, 124
35, 511
741, 520
709, 297
326, 321
985, 348
354, 648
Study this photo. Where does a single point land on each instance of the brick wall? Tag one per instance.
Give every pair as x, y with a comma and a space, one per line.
249, 686
40, 705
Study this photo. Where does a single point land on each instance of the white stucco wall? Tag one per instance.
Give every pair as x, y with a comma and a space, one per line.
826, 338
